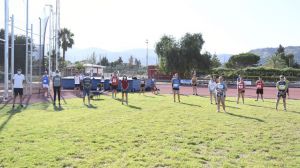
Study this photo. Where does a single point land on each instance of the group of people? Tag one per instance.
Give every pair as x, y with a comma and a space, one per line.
216, 87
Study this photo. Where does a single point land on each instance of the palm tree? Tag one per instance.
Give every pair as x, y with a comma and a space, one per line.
65, 40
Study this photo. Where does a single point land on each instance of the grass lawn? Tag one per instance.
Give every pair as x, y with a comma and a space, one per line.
151, 132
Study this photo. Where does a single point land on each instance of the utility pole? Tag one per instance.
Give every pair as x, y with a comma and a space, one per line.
31, 48
6, 13
12, 51
147, 53
41, 60
26, 52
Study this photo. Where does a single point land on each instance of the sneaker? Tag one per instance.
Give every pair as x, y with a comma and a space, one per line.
13, 106
218, 111
21, 105
284, 110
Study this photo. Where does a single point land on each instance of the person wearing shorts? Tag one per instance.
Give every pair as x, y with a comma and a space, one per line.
154, 89
240, 90
125, 86
18, 81
45, 84
194, 84
175, 86
143, 84
259, 88
56, 87
212, 88
281, 86
87, 85
77, 84
287, 90
220, 94
114, 85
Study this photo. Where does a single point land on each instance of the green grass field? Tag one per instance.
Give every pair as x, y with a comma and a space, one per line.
151, 132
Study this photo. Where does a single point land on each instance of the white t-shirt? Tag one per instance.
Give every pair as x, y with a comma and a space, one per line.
77, 80
212, 85
18, 80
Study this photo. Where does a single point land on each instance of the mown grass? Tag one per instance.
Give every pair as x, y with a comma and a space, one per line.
151, 132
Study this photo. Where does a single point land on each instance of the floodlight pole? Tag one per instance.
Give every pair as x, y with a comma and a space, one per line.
31, 48
12, 51
147, 53
6, 13
26, 52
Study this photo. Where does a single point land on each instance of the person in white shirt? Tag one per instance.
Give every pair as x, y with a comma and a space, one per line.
77, 84
45, 84
18, 81
211, 88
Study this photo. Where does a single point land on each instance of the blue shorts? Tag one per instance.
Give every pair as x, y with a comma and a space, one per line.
125, 91
86, 92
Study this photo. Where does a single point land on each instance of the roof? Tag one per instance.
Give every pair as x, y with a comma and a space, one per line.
87, 65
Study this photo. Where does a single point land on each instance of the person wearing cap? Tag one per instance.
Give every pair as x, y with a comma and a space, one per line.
18, 81
56, 87
45, 84
175, 86
87, 85
125, 86
281, 86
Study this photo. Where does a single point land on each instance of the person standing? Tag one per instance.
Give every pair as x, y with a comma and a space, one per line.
175, 86
56, 87
87, 85
125, 86
220, 92
240, 90
18, 81
260, 88
45, 84
211, 88
114, 84
77, 84
143, 83
287, 90
194, 84
281, 86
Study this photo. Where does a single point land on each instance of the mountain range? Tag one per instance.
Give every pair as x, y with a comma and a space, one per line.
76, 54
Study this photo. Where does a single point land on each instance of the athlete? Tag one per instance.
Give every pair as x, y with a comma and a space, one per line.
221, 88
240, 90
114, 85
212, 88
194, 84
281, 87
77, 84
18, 81
142, 86
260, 88
87, 85
45, 84
56, 87
125, 86
287, 90
175, 87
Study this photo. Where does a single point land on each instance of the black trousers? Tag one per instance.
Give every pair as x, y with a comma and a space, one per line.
56, 91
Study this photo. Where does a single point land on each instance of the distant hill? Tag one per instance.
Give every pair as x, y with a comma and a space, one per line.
76, 54
264, 53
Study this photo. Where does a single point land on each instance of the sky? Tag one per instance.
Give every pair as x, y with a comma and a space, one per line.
227, 26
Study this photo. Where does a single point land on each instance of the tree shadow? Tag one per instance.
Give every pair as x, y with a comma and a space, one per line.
11, 113
195, 105
246, 117
5, 103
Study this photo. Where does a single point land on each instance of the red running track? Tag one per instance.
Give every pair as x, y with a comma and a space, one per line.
269, 92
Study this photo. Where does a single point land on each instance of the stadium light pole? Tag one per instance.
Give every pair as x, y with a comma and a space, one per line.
6, 13
26, 51
31, 51
49, 52
12, 51
147, 53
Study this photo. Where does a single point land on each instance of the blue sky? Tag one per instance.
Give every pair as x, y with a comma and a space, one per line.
228, 26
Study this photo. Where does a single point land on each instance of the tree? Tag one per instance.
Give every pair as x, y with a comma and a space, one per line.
182, 56
119, 61
65, 40
215, 62
275, 61
137, 62
242, 60
79, 66
92, 59
104, 61
130, 61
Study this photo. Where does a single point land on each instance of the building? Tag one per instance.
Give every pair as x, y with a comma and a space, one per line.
95, 70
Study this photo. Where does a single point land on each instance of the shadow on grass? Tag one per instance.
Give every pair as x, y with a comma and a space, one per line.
261, 106
97, 99
149, 96
232, 107
241, 116
296, 112
58, 108
135, 107
11, 113
195, 105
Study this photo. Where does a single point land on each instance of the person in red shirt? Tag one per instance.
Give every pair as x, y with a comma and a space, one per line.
259, 88
240, 89
114, 85
125, 86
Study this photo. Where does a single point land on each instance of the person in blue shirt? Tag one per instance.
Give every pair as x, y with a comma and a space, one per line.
221, 89
45, 84
282, 89
175, 87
